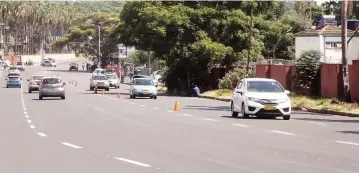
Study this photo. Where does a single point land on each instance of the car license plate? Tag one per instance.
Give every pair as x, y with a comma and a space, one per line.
269, 108
145, 92
51, 89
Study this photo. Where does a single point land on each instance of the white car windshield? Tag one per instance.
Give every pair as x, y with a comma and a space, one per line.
37, 77
111, 76
264, 86
99, 78
143, 82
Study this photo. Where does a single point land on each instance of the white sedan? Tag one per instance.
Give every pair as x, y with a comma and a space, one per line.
260, 97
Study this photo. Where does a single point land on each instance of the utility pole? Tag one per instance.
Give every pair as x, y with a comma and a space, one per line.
99, 45
250, 39
344, 26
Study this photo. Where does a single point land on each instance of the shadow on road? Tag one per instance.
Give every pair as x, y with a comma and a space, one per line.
68, 71
328, 120
349, 132
214, 108
44, 99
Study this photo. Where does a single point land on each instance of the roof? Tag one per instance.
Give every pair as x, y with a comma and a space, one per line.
259, 79
327, 30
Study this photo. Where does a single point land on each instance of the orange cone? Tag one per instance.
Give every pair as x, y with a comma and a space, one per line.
118, 95
103, 92
176, 106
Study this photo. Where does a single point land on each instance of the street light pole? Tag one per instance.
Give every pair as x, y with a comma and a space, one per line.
99, 45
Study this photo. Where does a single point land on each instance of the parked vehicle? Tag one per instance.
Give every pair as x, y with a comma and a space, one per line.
74, 66
260, 97
34, 82
52, 87
143, 87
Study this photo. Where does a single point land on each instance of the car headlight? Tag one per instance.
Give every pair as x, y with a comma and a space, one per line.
253, 99
283, 100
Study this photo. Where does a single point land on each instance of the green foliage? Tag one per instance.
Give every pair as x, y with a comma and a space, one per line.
231, 79
307, 67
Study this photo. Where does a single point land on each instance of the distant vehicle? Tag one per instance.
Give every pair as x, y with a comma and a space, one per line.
20, 66
47, 63
74, 66
13, 81
52, 87
113, 80
260, 97
110, 71
98, 71
53, 63
143, 87
100, 81
34, 82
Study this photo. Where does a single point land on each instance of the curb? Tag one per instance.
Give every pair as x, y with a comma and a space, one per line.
300, 108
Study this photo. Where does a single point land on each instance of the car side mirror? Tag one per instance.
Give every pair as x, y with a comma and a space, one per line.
286, 92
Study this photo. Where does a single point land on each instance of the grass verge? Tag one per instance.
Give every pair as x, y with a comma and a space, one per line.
299, 101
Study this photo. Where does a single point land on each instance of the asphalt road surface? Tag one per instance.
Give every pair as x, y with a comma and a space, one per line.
91, 133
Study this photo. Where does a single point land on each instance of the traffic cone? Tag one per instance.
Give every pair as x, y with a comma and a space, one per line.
176, 106
103, 92
76, 84
95, 90
118, 95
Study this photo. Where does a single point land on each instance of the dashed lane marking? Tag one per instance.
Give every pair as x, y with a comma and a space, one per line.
143, 105
284, 133
241, 125
317, 123
169, 111
71, 145
208, 119
28, 121
350, 143
32, 126
188, 115
155, 108
133, 162
41, 134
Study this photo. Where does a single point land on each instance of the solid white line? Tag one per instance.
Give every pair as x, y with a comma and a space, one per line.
350, 143
133, 162
240, 125
188, 115
317, 123
208, 119
32, 126
155, 108
70, 145
143, 105
41, 134
169, 111
24, 109
284, 133
28, 121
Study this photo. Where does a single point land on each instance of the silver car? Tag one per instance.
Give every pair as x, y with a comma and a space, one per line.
143, 87
52, 87
34, 82
100, 81
113, 80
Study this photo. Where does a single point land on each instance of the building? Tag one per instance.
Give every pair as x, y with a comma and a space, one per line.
326, 38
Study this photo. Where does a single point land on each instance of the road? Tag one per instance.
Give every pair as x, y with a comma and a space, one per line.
92, 133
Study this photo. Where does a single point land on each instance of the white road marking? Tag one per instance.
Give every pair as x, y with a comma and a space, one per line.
25, 112
350, 143
132, 103
317, 123
284, 133
41, 134
188, 115
24, 109
28, 121
353, 164
133, 162
240, 125
143, 105
208, 119
26, 116
32, 126
155, 108
71, 145
169, 111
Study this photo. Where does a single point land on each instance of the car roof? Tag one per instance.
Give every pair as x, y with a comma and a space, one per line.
49, 77
259, 79
37, 75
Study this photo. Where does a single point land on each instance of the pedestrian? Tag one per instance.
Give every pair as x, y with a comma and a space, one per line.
195, 91
131, 75
83, 67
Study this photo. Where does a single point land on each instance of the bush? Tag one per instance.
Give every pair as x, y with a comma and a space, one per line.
233, 77
306, 73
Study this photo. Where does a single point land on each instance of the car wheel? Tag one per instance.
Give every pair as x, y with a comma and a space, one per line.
30, 91
107, 89
40, 97
234, 113
155, 97
243, 111
63, 97
92, 88
7, 86
131, 97
134, 97
286, 117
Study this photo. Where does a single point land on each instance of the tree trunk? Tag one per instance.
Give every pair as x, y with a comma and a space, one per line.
344, 12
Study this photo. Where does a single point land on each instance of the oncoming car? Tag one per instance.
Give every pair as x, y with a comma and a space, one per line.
143, 87
52, 87
261, 98
100, 81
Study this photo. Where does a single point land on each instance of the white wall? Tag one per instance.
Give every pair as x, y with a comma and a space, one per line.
57, 57
305, 43
353, 50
